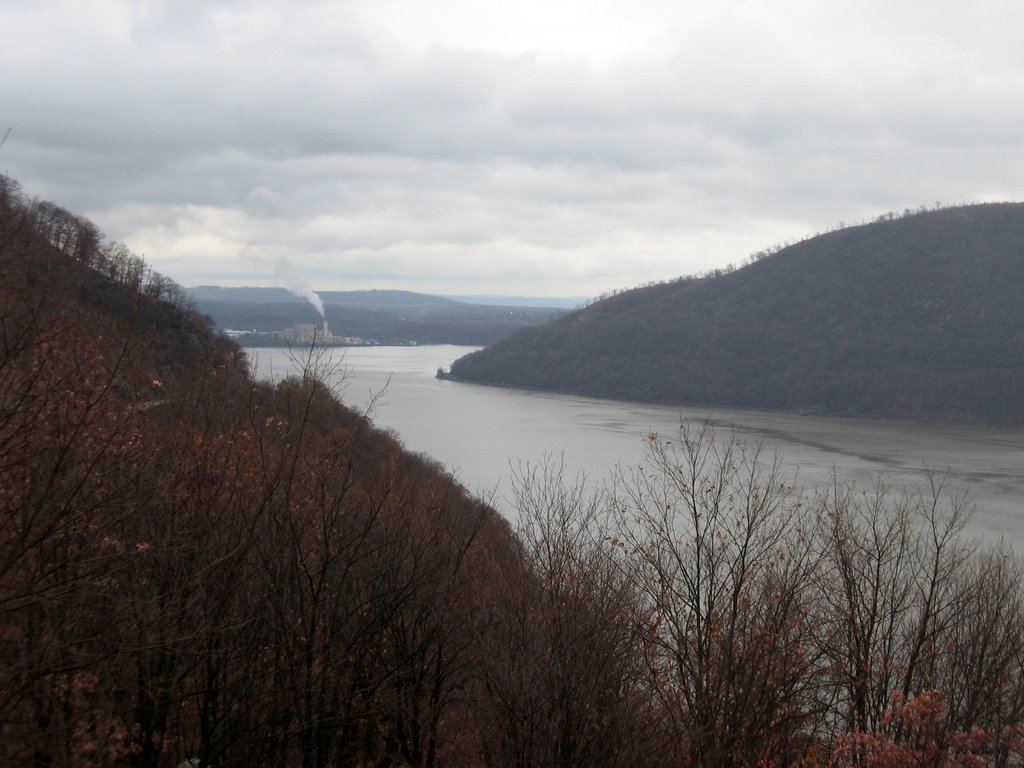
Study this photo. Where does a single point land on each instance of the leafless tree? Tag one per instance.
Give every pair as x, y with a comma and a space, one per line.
564, 679
720, 549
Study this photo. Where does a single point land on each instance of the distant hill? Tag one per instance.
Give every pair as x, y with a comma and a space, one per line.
919, 317
389, 316
564, 302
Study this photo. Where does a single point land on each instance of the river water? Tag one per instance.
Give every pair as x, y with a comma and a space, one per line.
482, 434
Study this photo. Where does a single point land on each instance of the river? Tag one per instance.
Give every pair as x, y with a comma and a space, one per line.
482, 434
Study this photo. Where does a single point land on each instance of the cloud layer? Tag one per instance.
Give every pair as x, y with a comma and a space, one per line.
476, 147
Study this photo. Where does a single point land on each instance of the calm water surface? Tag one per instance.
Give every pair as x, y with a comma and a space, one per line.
483, 433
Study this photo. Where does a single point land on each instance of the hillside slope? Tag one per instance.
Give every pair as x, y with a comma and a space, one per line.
919, 317
200, 568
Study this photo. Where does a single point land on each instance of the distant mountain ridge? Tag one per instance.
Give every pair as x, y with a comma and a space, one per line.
563, 302
262, 295
382, 297
918, 317
391, 316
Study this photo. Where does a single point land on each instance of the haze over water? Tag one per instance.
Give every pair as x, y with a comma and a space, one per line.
483, 434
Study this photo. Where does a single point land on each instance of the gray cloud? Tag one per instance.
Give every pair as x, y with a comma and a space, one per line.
376, 144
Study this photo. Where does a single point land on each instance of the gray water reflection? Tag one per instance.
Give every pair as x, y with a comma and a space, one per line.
482, 433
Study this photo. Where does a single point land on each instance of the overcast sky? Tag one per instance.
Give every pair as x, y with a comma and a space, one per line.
554, 147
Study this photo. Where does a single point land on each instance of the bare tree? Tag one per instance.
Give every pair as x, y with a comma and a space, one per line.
564, 679
890, 595
720, 550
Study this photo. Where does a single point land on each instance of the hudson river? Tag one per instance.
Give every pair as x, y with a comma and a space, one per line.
483, 433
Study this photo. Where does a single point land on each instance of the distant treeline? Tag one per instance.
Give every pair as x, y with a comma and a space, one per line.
403, 317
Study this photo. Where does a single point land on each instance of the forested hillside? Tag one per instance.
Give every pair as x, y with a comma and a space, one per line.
200, 569
920, 317
193, 564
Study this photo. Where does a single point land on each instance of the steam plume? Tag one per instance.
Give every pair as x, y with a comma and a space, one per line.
297, 285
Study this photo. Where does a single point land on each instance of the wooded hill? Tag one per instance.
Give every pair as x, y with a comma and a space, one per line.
201, 569
391, 317
918, 317
198, 566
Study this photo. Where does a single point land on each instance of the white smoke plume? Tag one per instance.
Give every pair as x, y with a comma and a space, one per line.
294, 283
